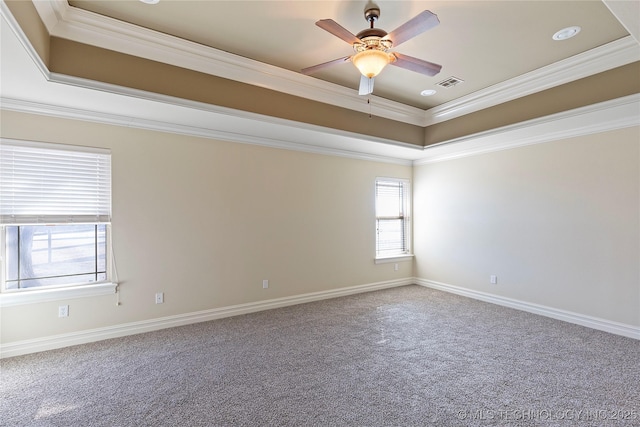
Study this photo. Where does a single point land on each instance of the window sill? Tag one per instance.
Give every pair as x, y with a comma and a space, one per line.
394, 258
8, 299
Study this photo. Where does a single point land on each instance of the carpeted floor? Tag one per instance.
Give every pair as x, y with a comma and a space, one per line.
408, 356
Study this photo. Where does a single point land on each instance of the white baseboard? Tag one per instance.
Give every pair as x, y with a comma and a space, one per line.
567, 316
18, 348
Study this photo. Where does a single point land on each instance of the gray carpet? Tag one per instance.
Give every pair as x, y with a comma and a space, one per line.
407, 356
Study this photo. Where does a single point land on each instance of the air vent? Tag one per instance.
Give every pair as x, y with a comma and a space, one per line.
450, 82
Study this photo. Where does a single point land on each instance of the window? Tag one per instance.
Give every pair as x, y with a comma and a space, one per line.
53, 255
392, 218
55, 213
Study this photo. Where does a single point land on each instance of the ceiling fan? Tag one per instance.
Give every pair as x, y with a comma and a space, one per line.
372, 46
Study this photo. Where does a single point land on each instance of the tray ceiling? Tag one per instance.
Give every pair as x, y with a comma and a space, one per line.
483, 43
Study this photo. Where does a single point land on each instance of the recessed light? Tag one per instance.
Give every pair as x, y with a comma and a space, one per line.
150, 1
428, 92
566, 33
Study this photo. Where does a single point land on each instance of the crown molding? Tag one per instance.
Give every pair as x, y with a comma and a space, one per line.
612, 55
6, 14
90, 28
602, 117
82, 26
152, 111
267, 134
627, 12
280, 133
606, 116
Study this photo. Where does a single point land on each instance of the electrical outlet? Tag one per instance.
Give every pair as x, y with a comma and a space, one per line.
493, 279
159, 297
63, 311
265, 284
395, 267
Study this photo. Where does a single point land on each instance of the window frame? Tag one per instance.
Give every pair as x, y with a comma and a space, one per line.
407, 254
12, 297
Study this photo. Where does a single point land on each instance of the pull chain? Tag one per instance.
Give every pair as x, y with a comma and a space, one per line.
114, 271
369, 102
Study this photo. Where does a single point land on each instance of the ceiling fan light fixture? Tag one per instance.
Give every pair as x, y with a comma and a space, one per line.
370, 62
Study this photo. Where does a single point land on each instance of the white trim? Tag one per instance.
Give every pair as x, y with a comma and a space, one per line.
567, 316
602, 117
612, 55
8, 298
627, 12
241, 135
394, 258
18, 348
76, 24
3, 257
587, 120
90, 28
64, 340
497, 139
6, 14
55, 146
407, 210
201, 106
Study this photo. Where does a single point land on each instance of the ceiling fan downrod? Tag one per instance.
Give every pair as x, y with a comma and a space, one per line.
371, 15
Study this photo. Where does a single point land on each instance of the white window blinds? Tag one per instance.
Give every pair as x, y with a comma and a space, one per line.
392, 217
51, 183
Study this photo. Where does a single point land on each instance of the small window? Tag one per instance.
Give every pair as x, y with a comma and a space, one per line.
392, 217
55, 210
55, 255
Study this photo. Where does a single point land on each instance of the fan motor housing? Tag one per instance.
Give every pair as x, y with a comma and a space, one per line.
371, 32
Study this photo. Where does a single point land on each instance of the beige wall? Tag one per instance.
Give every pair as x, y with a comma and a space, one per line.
558, 223
206, 221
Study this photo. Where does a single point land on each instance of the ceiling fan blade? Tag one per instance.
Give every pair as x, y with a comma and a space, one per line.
366, 85
415, 64
337, 30
313, 69
418, 24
